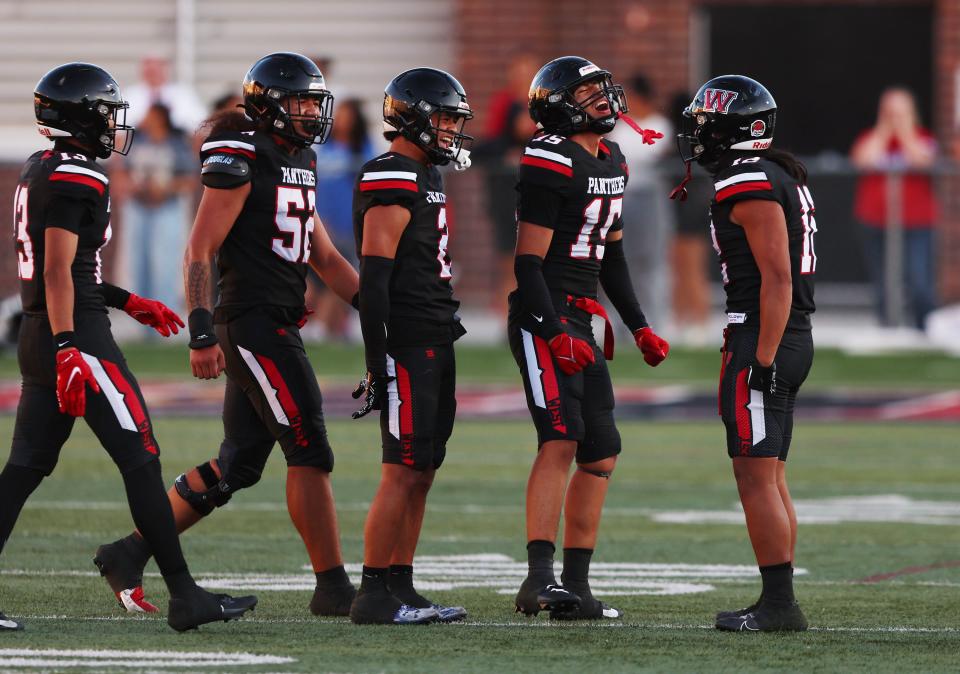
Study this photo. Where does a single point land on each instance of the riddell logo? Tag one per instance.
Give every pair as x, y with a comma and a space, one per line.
718, 100
758, 128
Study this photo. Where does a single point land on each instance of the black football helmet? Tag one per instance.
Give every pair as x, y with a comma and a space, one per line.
552, 103
276, 91
730, 112
410, 102
82, 101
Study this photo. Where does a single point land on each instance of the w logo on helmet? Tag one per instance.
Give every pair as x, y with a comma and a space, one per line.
718, 100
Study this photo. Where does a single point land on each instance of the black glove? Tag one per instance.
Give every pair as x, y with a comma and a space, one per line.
762, 378
375, 386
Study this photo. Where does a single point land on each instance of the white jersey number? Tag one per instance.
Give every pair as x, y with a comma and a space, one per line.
294, 220
582, 248
24, 243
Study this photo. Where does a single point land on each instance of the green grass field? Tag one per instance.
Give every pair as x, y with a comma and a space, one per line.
668, 474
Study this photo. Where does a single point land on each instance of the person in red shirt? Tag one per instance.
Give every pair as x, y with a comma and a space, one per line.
899, 143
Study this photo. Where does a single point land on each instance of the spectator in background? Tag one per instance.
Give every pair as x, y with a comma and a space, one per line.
899, 143
689, 253
152, 187
508, 128
186, 110
338, 161
652, 220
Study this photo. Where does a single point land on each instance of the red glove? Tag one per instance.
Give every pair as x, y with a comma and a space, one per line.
654, 349
572, 354
73, 374
153, 313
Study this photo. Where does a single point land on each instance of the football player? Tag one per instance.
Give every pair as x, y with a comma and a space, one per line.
71, 366
257, 217
763, 224
569, 236
409, 323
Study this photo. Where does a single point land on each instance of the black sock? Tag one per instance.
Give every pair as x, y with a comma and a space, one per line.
540, 558
777, 582
16, 485
333, 579
401, 586
137, 547
374, 579
154, 518
576, 565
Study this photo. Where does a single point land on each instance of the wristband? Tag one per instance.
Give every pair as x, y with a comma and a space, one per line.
64, 340
201, 329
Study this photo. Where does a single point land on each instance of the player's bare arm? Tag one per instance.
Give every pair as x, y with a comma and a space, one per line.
216, 214
766, 228
61, 248
332, 267
382, 228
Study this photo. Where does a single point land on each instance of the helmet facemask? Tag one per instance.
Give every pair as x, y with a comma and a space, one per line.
578, 112
291, 115
422, 126
95, 124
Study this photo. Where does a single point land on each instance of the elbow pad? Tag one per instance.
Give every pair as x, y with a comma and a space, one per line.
225, 171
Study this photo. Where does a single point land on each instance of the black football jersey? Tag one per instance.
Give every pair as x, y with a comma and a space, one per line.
70, 191
422, 306
264, 259
755, 177
579, 197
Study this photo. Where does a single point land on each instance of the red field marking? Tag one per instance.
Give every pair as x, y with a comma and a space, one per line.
909, 570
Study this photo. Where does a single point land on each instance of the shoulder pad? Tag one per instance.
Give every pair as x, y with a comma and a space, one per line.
388, 172
77, 169
236, 143
548, 152
224, 171
742, 178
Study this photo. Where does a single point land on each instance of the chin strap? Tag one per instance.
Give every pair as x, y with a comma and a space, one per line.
680, 191
649, 135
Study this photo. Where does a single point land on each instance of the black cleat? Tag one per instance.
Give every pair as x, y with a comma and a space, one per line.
590, 607
8, 625
769, 616
379, 607
535, 595
121, 564
733, 614
198, 607
332, 601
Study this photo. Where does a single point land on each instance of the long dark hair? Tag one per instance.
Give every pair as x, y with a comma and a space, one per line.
787, 162
225, 121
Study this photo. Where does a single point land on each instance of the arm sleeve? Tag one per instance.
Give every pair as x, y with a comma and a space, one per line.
535, 296
375, 310
114, 296
615, 279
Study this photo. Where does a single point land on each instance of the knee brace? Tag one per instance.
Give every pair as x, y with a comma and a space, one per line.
203, 502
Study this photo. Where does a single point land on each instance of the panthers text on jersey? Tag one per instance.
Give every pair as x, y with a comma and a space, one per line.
422, 307
754, 177
263, 260
580, 197
70, 191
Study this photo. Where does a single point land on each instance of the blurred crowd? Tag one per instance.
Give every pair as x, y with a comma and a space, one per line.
155, 192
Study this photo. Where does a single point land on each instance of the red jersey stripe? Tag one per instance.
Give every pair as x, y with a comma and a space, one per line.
547, 164
80, 179
234, 150
757, 186
389, 185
